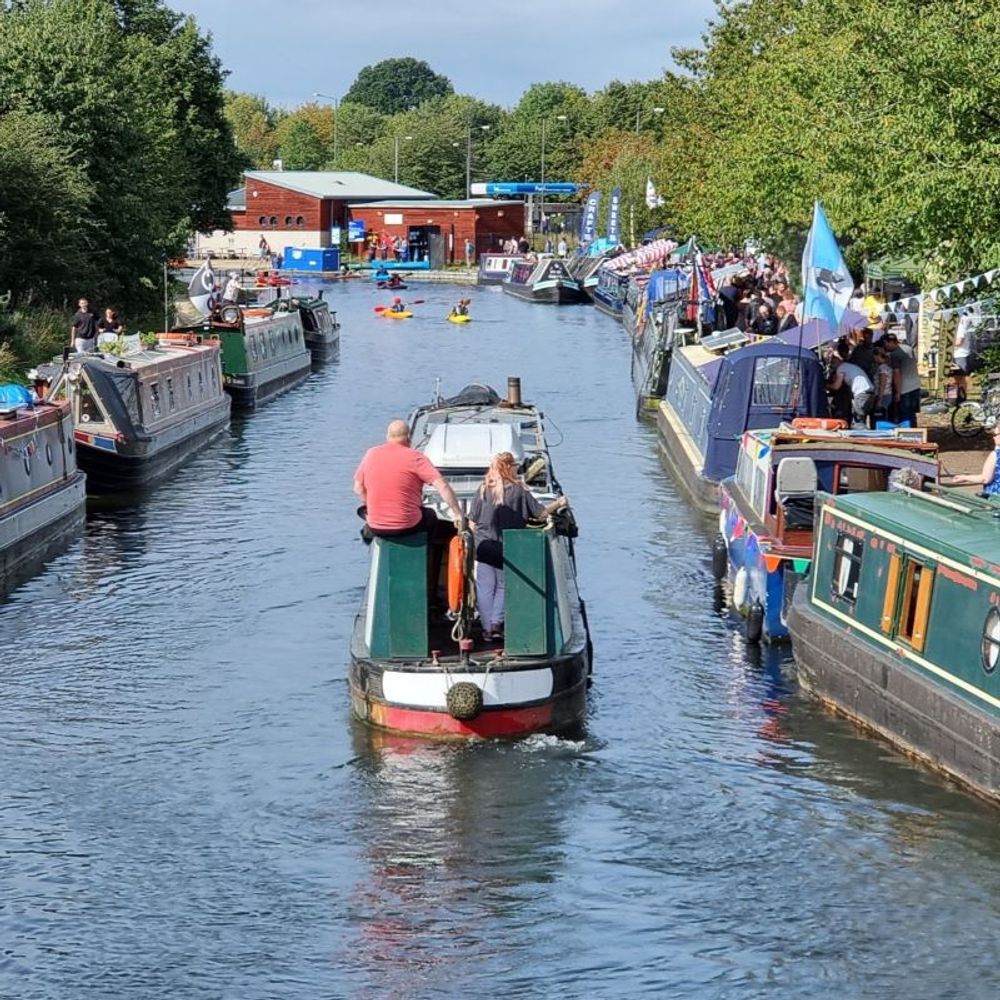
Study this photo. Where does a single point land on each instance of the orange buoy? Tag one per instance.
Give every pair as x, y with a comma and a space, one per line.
456, 573
819, 424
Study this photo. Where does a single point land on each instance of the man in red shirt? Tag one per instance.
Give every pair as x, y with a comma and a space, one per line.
390, 482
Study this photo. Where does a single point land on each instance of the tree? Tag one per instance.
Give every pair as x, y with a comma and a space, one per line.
252, 120
395, 85
301, 148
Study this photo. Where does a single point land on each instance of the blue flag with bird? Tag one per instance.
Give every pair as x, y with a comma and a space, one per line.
827, 282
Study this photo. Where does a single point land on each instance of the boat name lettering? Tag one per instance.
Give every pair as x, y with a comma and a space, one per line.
845, 527
955, 577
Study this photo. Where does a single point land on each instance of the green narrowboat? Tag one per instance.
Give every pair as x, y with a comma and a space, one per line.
899, 627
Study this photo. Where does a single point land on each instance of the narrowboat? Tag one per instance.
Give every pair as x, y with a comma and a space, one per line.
765, 540
712, 399
634, 306
663, 328
264, 351
142, 414
495, 267
42, 491
608, 294
320, 329
584, 269
544, 280
898, 626
418, 669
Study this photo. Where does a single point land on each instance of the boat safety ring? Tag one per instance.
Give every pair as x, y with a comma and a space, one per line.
464, 701
456, 573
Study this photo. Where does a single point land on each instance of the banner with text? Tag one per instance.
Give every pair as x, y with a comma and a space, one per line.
588, 222
615, 217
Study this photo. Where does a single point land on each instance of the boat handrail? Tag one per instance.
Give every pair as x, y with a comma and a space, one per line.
935, 498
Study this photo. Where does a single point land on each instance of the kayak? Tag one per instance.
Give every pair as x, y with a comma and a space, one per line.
460, 319
385, 284
389, 314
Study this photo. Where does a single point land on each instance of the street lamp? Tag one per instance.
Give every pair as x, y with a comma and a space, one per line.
638, 112
395, 156
336, 103
559, 118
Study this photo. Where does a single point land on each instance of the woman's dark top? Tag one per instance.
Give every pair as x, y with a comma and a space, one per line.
492, 519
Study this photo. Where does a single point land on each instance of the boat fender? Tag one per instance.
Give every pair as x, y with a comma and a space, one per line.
755, 622
456, 573
740, 585
720, 557
464, 700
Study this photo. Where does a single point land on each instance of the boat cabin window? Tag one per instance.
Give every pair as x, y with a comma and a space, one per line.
847, 567
253, 346
775, 381
190, 390
154, 398
916, 603
90, 409
215, 377
201, 383
171, 400
991, 640
273, 342
861, 479
751, 479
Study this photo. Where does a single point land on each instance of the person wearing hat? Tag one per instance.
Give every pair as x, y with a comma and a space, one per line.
231, 293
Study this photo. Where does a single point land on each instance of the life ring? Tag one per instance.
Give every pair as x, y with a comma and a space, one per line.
740, 585
456, 573
819, 424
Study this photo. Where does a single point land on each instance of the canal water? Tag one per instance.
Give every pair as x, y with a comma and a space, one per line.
187, 809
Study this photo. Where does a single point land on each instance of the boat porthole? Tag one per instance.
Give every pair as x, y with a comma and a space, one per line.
991, 640
48, 453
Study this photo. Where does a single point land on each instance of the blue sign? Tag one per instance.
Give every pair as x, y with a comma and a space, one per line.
615, 217
507, 188
588, 222
356, 231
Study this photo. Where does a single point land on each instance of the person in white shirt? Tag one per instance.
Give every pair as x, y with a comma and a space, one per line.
862, 390
965, 343
231, 293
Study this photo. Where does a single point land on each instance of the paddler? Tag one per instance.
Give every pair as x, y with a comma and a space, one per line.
394, 282
397, 306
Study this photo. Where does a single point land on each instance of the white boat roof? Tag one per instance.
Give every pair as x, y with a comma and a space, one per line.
471, 446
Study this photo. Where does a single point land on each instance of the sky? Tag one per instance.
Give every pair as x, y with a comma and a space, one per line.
288, 49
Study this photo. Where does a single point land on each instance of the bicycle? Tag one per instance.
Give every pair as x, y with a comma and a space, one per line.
972, 416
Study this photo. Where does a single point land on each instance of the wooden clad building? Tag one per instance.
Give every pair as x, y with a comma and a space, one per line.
297, 208
440, 228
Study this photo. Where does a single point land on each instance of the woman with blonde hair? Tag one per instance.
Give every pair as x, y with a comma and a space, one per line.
502, 502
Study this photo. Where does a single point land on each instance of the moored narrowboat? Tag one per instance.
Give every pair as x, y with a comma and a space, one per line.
544, 280
898, 626
660, 329
263, 352
765, 539
713, 399
608, 293
495, 267
142, 414
42, 492
320, 329
414, 668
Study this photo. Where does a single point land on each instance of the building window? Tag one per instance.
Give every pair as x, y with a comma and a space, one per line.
288, 222
273, 221
262, 220
991, 640
847, 567
300, 221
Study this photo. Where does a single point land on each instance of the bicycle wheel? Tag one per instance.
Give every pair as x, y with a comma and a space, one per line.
968, 418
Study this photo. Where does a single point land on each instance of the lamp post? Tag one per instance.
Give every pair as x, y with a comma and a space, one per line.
638, 113
336, 104
468, 157
395, 156
541, 211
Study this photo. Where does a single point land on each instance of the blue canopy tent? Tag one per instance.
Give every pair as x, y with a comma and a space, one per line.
755, 387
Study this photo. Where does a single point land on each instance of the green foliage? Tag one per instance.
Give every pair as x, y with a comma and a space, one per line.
129, 96
252, 121
396, 85
301, 148
30, 336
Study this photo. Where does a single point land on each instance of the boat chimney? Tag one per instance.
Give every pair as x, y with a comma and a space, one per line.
514, 390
